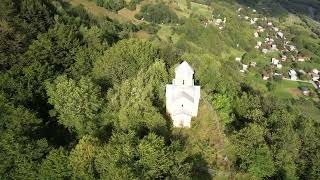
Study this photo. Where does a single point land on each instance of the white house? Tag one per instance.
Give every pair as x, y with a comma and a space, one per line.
293, 74
218, 21
301, 59
264, 51
260, 29
253, 64
316, 71
315, 77
275, 61
238, 59
244, 67
182, 96
259, 43
256, 34
274, 47
292, 48
280, 35
266, 77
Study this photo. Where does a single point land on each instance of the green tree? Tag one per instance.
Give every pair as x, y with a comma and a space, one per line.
154, 161
124, 60
309, 155
82, 158
132, 103
20, 22
76, 103
116, 159
285, 143
20, 153
57, 47
223, 104
113, 5
249, 107
55, 165
253, 152
36, 16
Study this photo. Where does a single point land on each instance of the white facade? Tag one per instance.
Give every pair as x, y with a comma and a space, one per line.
280, 34
293, 74
275, 61
182, 96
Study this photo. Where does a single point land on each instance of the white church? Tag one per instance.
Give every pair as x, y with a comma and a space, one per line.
182, 96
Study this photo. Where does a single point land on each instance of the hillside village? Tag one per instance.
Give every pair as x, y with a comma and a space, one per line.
272, 39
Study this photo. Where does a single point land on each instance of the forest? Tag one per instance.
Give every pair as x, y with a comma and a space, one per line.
82, 96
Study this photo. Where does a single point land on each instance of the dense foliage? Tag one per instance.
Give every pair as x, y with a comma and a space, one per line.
113, 5
81, 99
157, 13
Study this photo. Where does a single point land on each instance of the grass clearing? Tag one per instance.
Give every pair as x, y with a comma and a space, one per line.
182, 11
124, 15
142, 34
165, 32
95, 10
203, 10
290, 89
256, 81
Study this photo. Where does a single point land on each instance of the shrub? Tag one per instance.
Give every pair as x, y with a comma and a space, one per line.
113, 5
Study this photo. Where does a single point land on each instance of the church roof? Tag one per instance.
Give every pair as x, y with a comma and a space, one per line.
184, 67
183, 95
